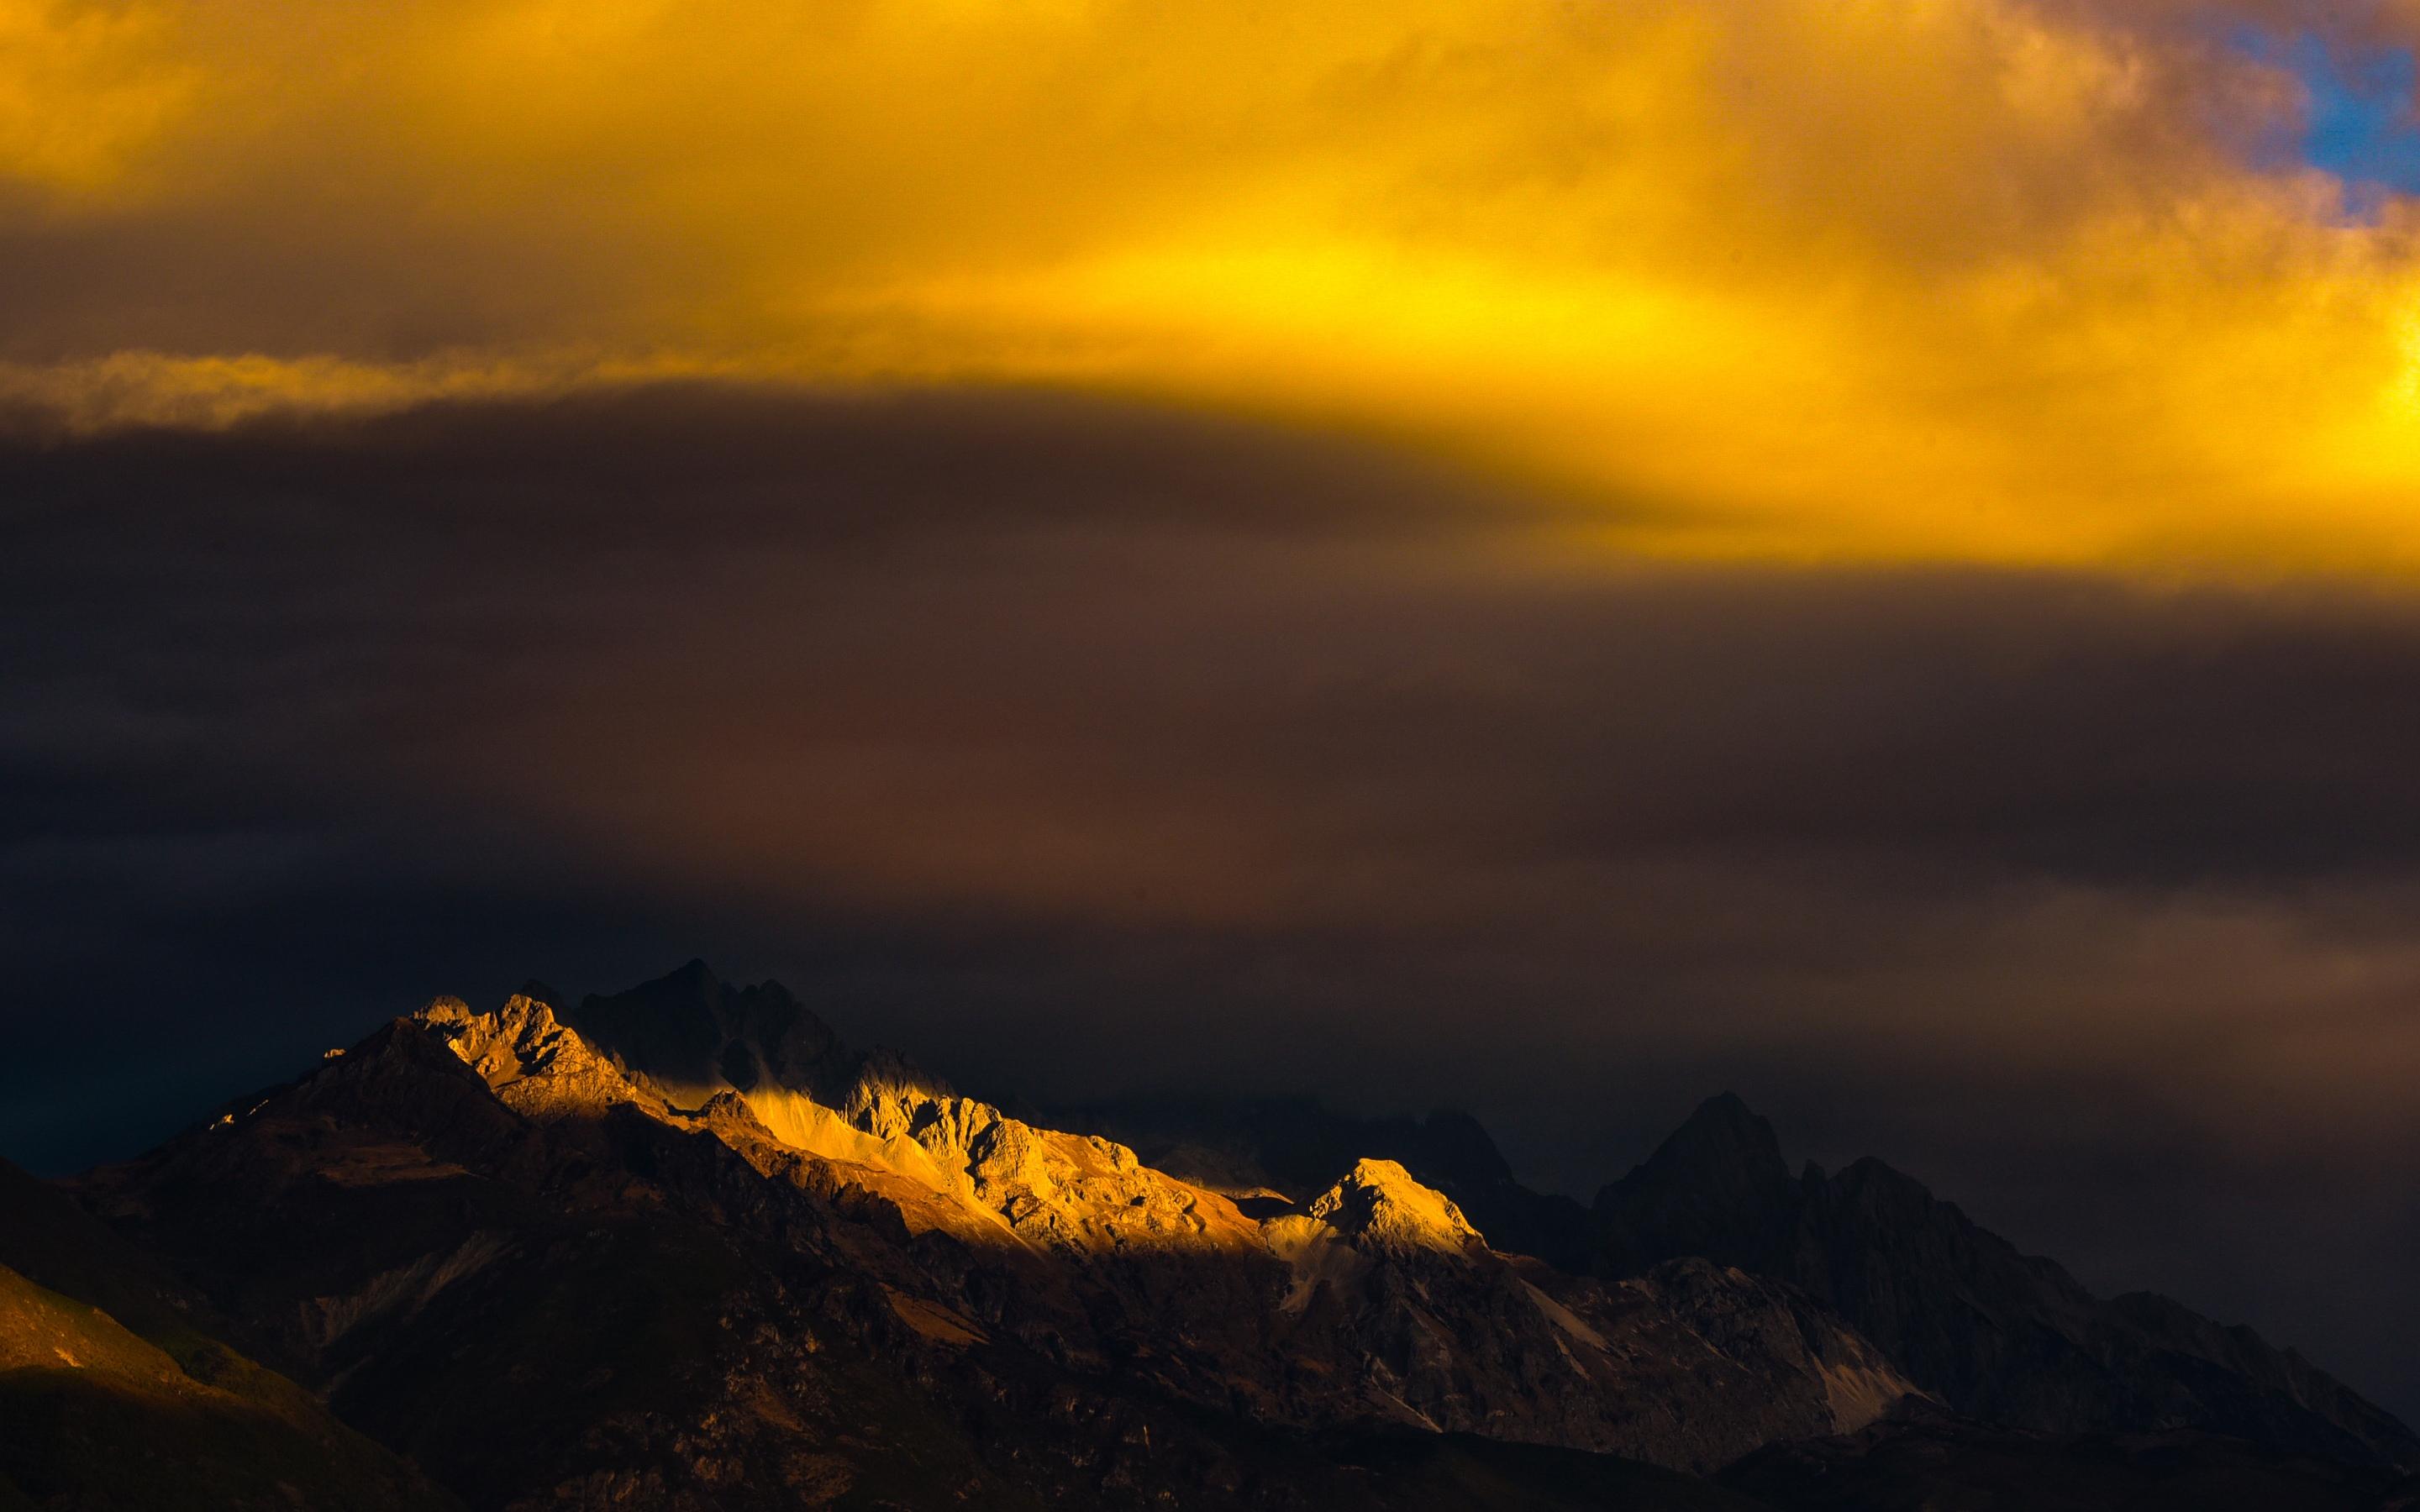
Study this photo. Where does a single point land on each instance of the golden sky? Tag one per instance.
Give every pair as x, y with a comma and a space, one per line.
1802, 280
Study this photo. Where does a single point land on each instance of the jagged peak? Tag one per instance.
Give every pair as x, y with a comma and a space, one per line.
1717, 1187
724, 1103
729, 1114
521, 1014
691, 1030
1727, 1117
1380, 1201
533, 1060
1724, 1147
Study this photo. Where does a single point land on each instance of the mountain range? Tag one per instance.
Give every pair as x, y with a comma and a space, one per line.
683, 1247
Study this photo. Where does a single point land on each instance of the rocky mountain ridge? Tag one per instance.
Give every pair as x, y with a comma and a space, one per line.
1991, 1332
701, 1253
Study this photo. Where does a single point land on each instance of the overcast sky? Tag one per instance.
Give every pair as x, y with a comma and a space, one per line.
1546, 558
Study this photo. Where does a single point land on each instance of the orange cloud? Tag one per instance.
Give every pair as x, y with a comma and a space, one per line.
1808, 279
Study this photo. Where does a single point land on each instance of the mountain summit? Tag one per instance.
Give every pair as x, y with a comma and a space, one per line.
688, 1030
684, 1247
1713, 1187
1378, 1201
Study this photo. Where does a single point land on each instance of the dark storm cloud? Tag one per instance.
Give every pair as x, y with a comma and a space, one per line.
1091, 750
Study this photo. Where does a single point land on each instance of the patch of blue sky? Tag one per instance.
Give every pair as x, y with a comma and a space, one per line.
2360, 122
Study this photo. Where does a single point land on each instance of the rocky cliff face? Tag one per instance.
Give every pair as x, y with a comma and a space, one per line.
1995, 1334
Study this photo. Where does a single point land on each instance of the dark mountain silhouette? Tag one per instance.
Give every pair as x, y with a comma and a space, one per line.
1995, 1334
682, 1247
690, 1026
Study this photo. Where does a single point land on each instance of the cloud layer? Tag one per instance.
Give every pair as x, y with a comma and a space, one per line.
2015, 281
1091, 748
